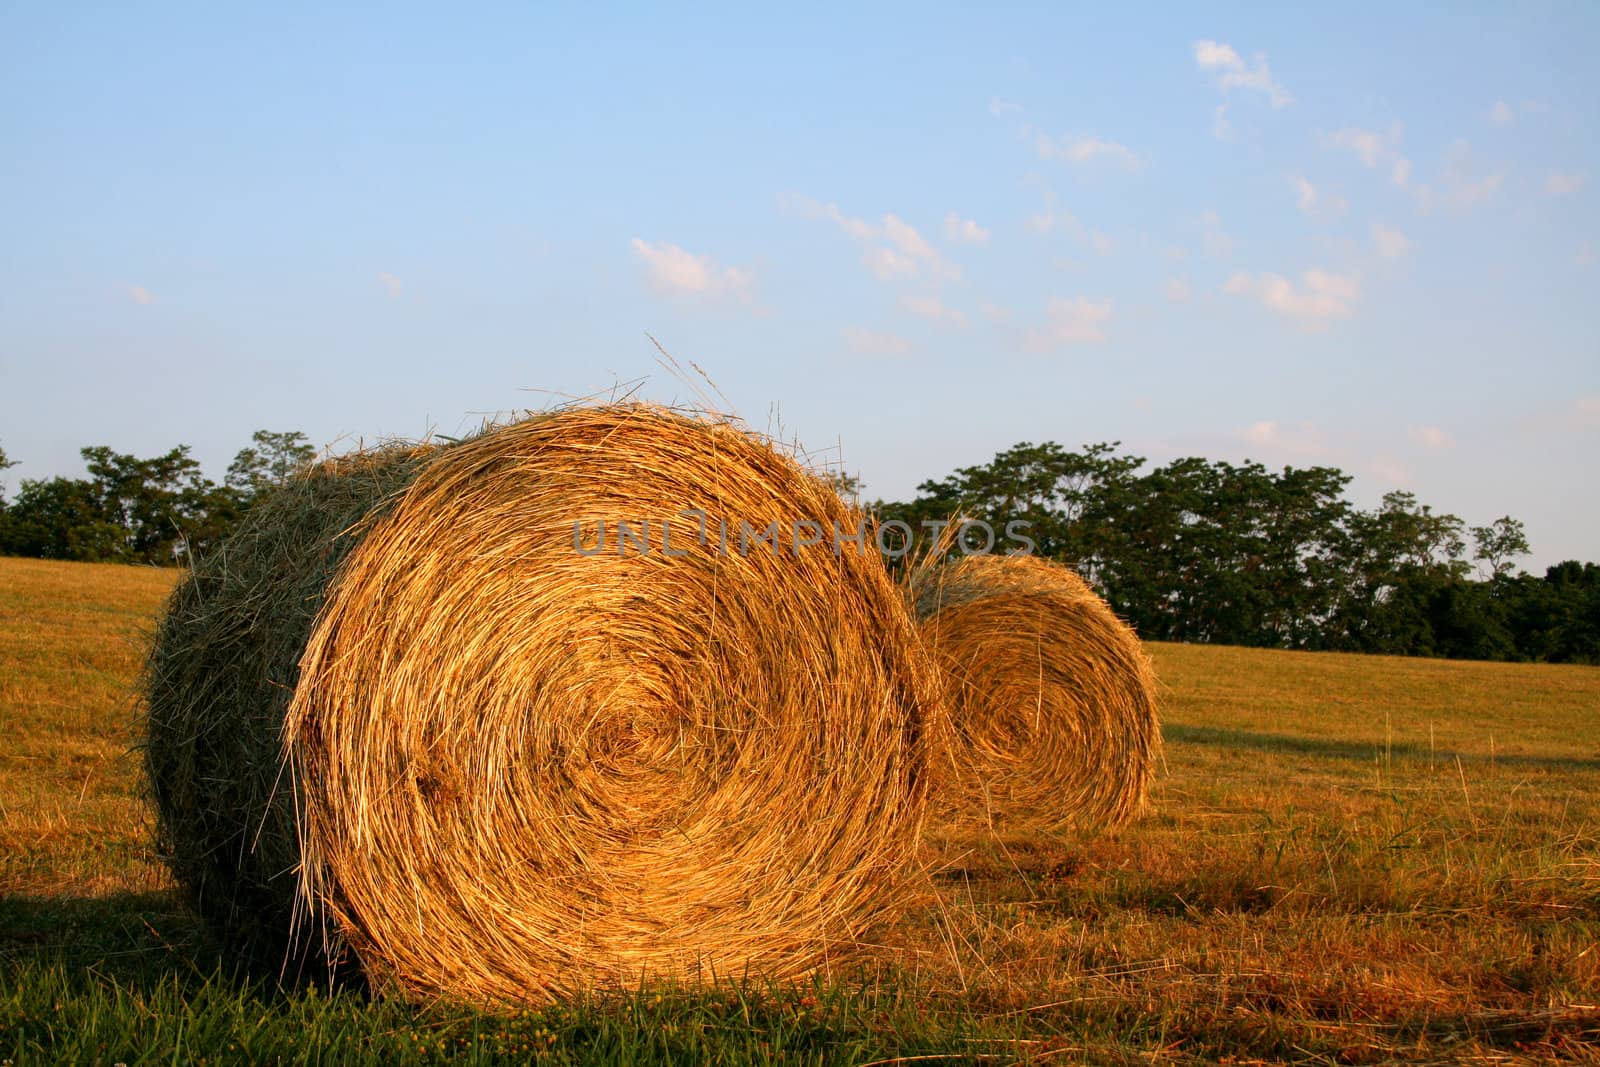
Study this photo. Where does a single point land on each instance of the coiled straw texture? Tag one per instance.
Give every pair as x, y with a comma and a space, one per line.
528, 756
1051, 702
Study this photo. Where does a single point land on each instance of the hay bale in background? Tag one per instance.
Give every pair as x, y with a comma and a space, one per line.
1050, 700
520, 769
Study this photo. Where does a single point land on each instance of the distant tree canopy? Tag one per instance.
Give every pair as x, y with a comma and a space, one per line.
1194, 550
131, 510
1202, 550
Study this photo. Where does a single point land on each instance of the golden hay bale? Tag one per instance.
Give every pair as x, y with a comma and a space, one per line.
1050, 700
519, 768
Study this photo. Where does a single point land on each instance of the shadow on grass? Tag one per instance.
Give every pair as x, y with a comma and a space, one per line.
135, 978
137, 941
1364, 751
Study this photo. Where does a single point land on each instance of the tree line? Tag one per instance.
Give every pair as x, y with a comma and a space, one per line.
160, 510
1196, 550
1206, 551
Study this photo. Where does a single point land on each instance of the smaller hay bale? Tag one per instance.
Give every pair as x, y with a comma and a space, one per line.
1050, 700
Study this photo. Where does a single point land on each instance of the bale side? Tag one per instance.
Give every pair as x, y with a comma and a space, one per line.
218, 679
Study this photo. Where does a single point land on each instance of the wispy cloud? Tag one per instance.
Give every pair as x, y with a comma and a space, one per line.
1560, 183
934, 310
894, 249
1070, 321
139, 295
964, 231
1431, 438
1085, 150
390, 283
1313, 200
1221, 128
1501, 114
1389, 241
1368, 145
1321, 296
1463, 183
1054, 217
1272, 439
875, 343
1229, 71
1216, 239
1584, 256
675, 272
1179, 292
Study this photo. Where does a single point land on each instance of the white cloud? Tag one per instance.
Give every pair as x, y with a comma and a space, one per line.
995, 313
1313, 200
1213, 55
1584, 256
888, 265
1272, 438
1103, 245
1213, 236
934, 310
1368, 146
140, 295
910, 255
1388, 470
1390, 242
1463, 183
1500, 114
1178, 291
1261, 433
859, 229
1000, 108
1321, 297
1229, 71
1431, 438
1085, 150
1561, 183
906, 238
390, 283
875, 343
1075, 321
673, 271
965, 231
1052, 218
1401, 173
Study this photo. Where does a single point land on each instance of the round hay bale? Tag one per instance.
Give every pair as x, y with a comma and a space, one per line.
1050, 699
524, 761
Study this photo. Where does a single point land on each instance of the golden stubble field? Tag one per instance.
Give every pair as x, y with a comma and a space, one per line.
1347, 859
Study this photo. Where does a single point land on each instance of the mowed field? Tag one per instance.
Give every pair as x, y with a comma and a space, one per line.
1348, 860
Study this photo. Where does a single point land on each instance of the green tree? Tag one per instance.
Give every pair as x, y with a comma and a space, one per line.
6, 463
61, 518
1497, 544
155, 501
269, 461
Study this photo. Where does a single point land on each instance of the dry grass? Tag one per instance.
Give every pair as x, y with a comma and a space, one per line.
71, 637
1051, 702
520, 769
1349, 860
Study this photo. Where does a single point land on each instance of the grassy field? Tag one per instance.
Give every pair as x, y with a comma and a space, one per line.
1349, 860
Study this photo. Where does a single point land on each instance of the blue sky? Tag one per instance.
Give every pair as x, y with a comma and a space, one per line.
908, 234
